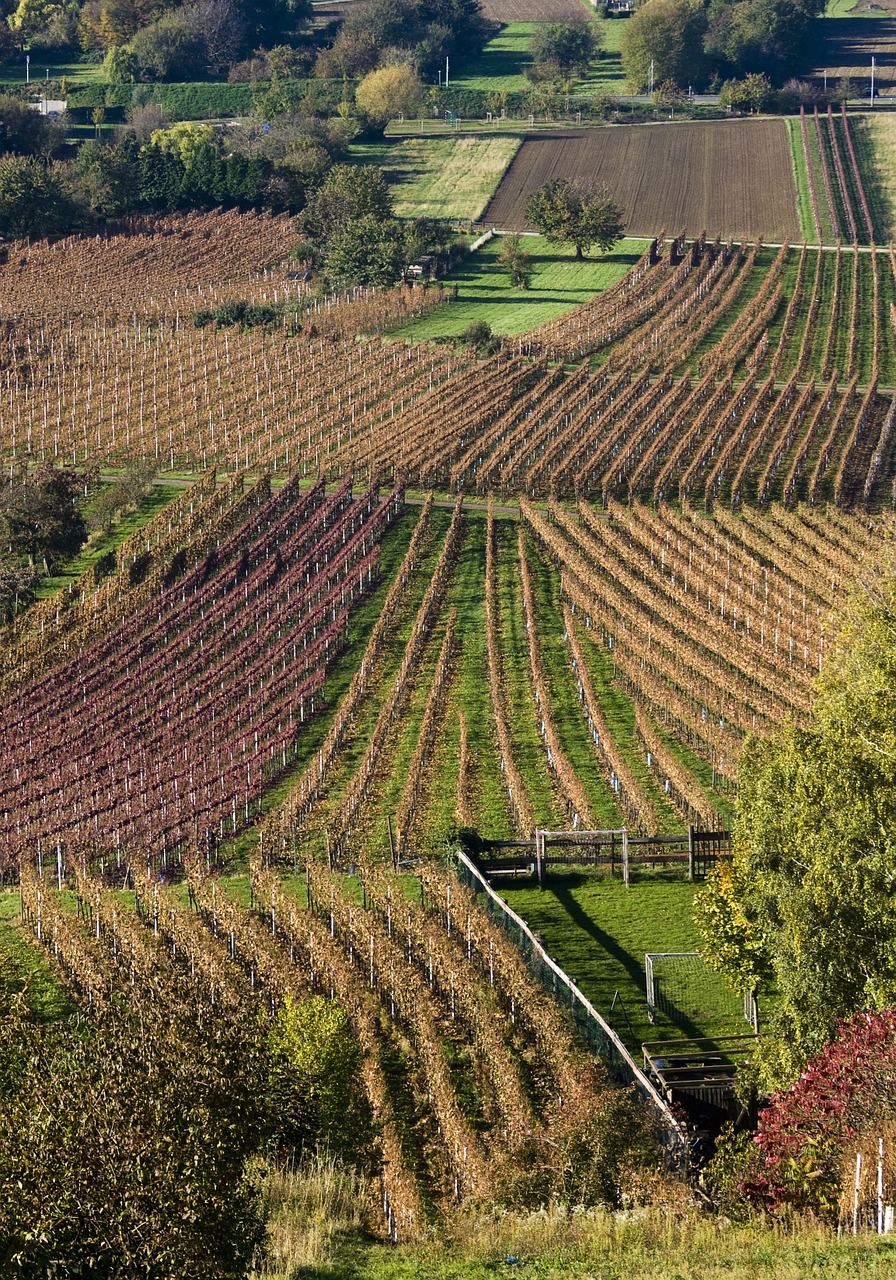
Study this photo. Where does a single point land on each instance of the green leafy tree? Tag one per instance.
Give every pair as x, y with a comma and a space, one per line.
517, 261
389, 92
347, 194
369, 250
760, 35
127, 1139
40, 513
567, 47
25, 131
121, 65
814, 877
577, 213
669, 34
31, 17
169, 49
754, 93
34, 200
316, 1088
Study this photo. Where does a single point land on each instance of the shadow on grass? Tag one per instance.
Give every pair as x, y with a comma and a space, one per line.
562, 887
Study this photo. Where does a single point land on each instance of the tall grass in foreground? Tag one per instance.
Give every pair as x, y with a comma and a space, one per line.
311, 1209
318, 1213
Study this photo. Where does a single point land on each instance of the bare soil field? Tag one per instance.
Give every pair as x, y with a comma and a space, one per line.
733, 179
534, 10
845, 47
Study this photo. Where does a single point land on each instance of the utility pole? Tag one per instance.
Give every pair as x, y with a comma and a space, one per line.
446, 73
872, 81
650, 79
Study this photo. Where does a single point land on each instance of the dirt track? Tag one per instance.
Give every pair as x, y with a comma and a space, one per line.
730, 178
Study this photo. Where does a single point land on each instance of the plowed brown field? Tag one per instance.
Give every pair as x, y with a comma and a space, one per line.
534, 10
733, 179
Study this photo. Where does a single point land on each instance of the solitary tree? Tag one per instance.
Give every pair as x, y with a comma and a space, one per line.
518, 263
578, 213
389, 92
563, 50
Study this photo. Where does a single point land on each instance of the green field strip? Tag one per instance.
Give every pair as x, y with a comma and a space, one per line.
619, 713
26, 970
361, 623
841, 348
485, 294
452, 177
801, 177
598, 932
544, 795
606, 75
469, 693
101, 545
500, 66
829, 232
572, 728
370, 834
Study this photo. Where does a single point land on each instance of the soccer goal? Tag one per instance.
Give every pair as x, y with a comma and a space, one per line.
682, 986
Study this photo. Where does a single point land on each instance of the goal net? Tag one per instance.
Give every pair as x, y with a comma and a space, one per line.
682, 987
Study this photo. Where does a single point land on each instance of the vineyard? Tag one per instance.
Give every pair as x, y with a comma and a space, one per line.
419, 596
773, 391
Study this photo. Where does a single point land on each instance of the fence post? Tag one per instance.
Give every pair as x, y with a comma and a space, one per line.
690, 851
625, 873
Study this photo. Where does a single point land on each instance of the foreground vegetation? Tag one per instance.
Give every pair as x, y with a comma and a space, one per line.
680, 1242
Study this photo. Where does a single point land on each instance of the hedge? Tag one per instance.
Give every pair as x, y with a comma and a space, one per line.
195, 101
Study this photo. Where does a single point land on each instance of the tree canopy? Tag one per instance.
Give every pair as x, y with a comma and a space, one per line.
813, 897
563, 49
577, 213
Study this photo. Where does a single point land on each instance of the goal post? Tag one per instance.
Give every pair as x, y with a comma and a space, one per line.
681, 986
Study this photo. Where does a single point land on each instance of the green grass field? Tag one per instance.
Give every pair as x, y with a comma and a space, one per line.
558, 284
453, 177
12, 71
158, 497
801, 177
25, 971
501, 65
598, 932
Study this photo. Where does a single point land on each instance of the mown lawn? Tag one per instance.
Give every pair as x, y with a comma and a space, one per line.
598, 932
451, 177
559, 283
501, 65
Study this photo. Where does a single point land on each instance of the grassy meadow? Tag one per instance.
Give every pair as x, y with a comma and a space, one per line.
453, 177
484, 291
501, 66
